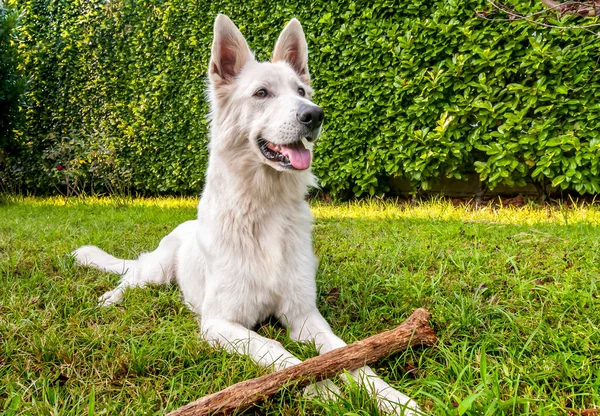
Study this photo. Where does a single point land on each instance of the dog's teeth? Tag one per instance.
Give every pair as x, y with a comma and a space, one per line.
274, 147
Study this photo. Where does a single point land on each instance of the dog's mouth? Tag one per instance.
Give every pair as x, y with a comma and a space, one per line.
290, 156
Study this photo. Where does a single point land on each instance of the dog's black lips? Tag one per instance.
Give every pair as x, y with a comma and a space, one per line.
274, 156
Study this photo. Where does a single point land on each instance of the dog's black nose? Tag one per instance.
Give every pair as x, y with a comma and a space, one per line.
310, 115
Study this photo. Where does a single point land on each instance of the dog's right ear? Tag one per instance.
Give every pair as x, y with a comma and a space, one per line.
229, 52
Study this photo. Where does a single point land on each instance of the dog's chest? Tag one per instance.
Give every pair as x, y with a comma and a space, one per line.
267, 249
259, 265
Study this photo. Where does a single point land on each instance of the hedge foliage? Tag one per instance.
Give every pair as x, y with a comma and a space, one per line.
12, 83
416, 89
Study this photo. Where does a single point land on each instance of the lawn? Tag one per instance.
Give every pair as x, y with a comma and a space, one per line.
513, 292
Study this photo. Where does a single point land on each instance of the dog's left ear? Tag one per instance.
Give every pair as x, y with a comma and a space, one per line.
291, 47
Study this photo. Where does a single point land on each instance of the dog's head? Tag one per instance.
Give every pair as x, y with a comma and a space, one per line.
263, 109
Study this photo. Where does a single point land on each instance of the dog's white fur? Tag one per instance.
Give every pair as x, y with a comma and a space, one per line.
249, 254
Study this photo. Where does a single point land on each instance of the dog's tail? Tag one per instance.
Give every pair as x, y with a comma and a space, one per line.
92, 256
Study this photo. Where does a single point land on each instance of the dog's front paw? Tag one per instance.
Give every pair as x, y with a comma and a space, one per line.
110, 298
325, 389
393, 402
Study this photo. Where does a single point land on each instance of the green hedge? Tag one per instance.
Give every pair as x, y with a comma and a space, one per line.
12, 83
418, 90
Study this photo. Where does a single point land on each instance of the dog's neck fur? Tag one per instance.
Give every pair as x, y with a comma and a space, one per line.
243, 182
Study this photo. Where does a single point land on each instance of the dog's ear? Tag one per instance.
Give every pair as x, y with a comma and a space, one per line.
229, 52
291, 47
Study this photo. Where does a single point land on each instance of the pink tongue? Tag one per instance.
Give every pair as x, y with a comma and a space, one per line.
299, 156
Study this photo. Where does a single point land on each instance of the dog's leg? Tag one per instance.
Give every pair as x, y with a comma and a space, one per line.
149, 268
266, 352
314, 328
156, 267
236, 338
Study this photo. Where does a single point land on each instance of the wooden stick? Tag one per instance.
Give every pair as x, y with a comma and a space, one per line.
414, 331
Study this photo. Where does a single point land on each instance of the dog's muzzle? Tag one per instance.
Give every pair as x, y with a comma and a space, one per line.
292, 156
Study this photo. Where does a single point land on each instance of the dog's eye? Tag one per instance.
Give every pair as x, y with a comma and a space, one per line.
301, 91
261, 93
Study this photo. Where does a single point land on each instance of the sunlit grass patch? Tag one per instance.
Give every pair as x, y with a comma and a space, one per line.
445, 209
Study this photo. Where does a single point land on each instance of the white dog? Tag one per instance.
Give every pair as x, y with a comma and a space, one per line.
249, 255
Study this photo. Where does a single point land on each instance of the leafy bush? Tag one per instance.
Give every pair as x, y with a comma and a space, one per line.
430, 89
12, 84
419, 90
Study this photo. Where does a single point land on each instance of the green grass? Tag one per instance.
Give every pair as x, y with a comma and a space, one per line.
513, 292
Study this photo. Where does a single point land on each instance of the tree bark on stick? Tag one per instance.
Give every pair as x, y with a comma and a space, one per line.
412, 332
